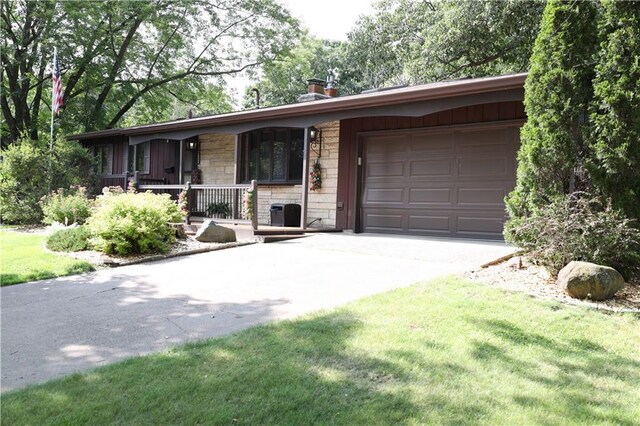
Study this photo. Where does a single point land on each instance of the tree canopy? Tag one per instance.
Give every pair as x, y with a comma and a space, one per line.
412, 42
114, 55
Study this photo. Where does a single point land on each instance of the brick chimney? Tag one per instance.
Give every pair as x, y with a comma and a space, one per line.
315, 92
315, 86
330, 88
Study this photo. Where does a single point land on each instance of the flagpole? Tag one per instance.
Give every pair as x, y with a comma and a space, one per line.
53, 111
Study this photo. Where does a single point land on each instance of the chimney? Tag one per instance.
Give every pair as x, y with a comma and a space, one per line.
330, 88
316, 86
315, 92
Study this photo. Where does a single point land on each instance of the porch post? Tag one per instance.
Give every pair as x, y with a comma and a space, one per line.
305, 180
254, 213
180, 177
236, 159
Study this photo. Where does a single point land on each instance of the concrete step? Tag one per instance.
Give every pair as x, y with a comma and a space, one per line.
278, 238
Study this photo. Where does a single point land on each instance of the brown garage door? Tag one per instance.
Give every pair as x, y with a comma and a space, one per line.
439, 182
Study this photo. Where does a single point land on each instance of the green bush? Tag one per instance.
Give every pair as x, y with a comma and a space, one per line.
615, 112
24, 176
67, 207
557, 92
132, 223
582, 227
69, 239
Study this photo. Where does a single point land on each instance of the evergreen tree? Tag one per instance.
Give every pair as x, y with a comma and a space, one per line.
615, 112
557, 95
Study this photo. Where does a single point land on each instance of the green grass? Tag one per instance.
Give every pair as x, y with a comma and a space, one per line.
23, 258
445, 352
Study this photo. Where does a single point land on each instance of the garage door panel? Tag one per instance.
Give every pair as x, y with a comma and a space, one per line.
434, 143
433, 196
483, 141
442, 184
442, 167
488, 197
440, 224
385, 170
483, 167
388, 146
385, 221
384, 195
481, 225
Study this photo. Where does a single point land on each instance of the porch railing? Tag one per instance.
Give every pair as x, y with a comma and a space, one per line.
221, 201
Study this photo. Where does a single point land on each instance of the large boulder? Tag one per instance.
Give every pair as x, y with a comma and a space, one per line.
584, 280
210, 232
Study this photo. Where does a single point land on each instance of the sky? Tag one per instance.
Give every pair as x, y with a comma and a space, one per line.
328, 19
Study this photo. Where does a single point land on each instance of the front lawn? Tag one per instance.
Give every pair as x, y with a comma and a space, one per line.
444, 352
23, 259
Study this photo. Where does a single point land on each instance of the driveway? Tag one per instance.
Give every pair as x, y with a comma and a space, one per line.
55, 327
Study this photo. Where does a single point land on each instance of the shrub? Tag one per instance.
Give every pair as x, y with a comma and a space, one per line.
132, 223
551, 160
582, 227
24, 176
615, 115
75, 238
71, 206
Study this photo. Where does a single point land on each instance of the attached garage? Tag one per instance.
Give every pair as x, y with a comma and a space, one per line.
448, 182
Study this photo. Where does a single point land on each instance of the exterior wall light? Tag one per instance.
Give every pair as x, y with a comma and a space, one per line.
315, 139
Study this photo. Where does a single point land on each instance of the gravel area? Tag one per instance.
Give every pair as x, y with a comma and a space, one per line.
518, 274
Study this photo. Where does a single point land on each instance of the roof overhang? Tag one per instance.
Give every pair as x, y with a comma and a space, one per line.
409, 101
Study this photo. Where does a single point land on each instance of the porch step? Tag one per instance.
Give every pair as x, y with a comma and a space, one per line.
279, 231
278, 238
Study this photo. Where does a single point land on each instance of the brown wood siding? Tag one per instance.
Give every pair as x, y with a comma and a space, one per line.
349, 129
164, 154
120, 146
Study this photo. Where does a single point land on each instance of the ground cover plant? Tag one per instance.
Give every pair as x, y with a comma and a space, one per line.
444, 352
24, 259
75, 238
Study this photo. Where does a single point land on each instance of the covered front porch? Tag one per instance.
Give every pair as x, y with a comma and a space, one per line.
216, 169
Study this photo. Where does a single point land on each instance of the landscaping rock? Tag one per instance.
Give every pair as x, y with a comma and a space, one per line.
210, 232
584, 280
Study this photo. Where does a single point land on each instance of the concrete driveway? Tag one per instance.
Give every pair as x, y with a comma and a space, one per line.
55, 327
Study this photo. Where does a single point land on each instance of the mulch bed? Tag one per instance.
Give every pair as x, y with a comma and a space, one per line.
519, 274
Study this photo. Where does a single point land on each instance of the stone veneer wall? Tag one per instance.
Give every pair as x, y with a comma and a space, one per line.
216, 163
216, 159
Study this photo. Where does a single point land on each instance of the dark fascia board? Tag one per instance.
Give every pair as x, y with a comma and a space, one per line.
345, 103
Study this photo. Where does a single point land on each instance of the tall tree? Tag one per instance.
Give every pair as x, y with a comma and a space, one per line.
284, 79
615, 112
557, 94
410, 42
114, 54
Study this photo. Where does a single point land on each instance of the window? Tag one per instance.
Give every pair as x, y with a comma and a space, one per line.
272, 155
139, 157
104, 159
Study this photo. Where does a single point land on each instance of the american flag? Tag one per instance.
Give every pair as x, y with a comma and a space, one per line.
57, 100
